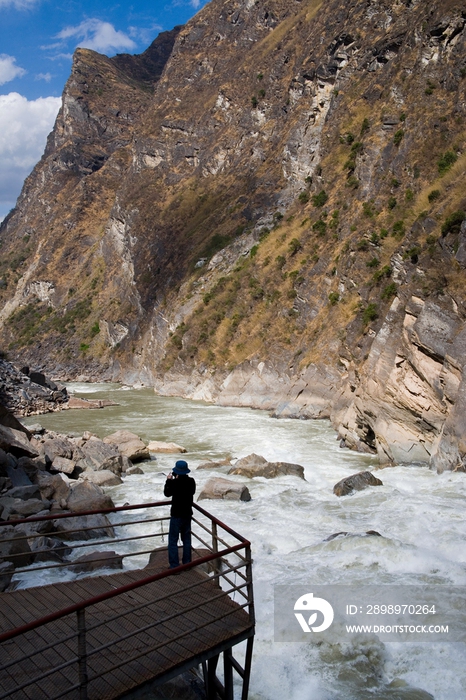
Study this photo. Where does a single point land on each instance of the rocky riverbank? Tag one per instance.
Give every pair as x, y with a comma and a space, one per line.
25, 392
43, 473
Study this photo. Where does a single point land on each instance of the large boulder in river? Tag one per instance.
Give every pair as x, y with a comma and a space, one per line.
221, 465
167, 447
224, 489
356, 482
255, 465
87, 496
129, 445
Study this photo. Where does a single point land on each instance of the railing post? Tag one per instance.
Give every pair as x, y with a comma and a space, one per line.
214, 538
215, 563
82, 654
252, 616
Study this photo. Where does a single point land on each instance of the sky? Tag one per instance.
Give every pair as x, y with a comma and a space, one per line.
37, 41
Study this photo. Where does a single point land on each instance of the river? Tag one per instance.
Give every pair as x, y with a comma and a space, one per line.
420, 515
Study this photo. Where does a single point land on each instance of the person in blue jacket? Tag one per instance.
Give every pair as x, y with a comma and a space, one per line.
181, 488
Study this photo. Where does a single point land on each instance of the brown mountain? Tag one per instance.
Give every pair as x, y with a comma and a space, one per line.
265, 208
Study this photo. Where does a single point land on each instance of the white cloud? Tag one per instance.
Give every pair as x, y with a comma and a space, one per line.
24, 126
99, 36
44, 76
19, 4
8, 68
145, 35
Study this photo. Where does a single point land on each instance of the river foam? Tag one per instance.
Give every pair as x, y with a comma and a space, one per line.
419, 515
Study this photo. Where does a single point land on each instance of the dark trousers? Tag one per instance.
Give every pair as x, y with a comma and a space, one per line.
179, 526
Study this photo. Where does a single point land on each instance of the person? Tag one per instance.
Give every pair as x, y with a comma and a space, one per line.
181, 488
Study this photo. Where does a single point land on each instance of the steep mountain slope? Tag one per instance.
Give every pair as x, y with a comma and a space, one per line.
280, 224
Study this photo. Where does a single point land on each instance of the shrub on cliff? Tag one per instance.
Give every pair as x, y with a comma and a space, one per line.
452, 223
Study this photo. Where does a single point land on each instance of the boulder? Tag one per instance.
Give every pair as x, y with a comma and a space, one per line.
368, 533
87, 496
6, 574
17, 475
75, 402
99, 455
97, 560
224, 489
251, 460
222, 464
56, 446
168, 447
84, 527
17, 508
129, 445
17, 442
14, 546
63, 465
31, 465
49, 549
104, 477
133, 470
356, 482
24, 492
255, 465
52, 486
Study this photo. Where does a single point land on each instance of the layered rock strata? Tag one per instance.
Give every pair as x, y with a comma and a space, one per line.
266, 208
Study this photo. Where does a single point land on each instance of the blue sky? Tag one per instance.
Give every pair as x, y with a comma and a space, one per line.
37, 41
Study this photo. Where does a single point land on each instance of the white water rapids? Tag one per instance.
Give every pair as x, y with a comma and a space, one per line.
420, 515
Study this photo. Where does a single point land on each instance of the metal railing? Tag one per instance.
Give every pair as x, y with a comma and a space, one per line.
93, 640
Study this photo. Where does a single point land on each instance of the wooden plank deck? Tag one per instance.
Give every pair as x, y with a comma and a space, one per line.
144, 644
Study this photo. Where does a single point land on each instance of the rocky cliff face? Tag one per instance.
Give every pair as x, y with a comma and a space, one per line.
266, 208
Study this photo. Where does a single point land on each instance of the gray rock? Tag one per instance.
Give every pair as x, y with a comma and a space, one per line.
251, 460
6, 574
22, 509
255, 465
223, 464
57, 446
49, 549
103, 477
17, 476
129, 445
52, 486
64, 465
24, 492
84, 527
97, 560
134, 470
87, 496
219, 488
166, 447
356, 482
16, 441
14, 546
98, 455
336, 535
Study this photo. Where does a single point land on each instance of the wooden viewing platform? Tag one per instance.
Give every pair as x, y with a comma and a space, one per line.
103, 636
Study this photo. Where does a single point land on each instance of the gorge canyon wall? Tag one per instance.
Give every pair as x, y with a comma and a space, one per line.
265, 208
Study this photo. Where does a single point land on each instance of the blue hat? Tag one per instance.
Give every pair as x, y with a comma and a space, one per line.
181, 467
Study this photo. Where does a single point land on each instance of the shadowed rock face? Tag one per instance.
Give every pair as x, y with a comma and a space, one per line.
264, 208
